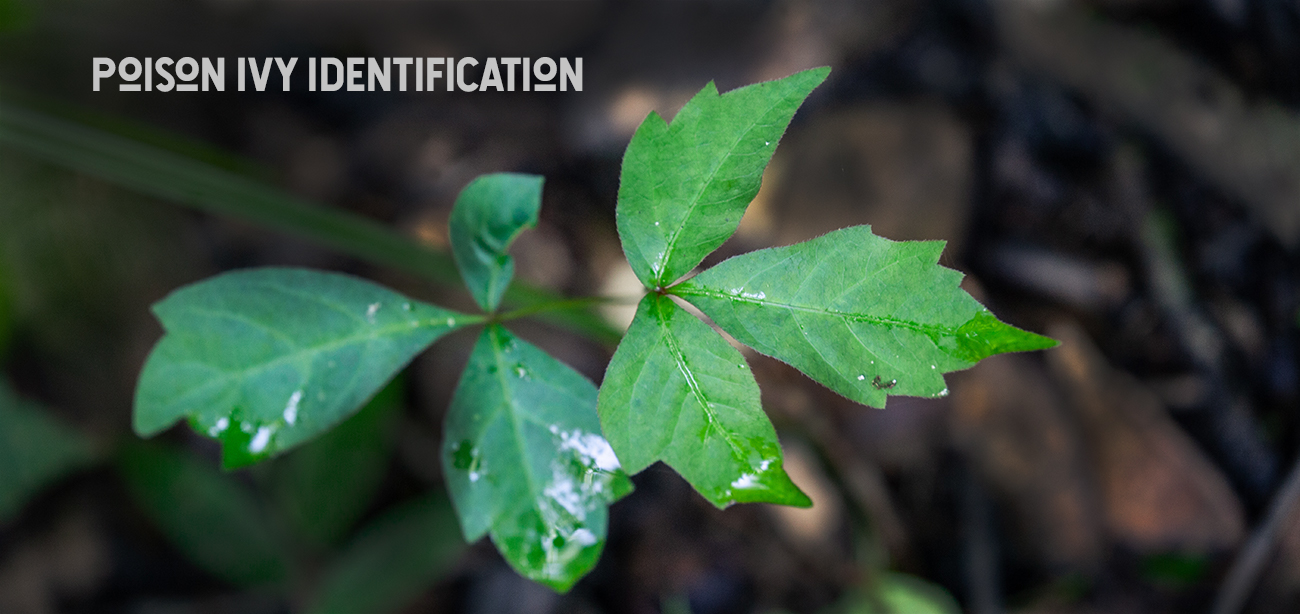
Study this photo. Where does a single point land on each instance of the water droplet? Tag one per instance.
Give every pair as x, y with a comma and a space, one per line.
590, 450
222, 424
521, 372
584, 537
371, 311
656, 223
767, 142
451, 321
291, 408
861, 377
934, 366
260, 440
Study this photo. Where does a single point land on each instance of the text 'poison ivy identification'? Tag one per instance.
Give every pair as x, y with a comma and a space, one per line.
533, 453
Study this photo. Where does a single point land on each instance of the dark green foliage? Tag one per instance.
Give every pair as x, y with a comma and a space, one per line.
208, 516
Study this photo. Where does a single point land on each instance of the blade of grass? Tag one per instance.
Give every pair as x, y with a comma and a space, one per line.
175, 177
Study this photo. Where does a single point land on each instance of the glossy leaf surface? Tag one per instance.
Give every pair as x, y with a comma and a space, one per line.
392, 559
676, 391
685, 185
207, 515
264, 359
489, 214
525, 461
325, 486
35, 451
861, 314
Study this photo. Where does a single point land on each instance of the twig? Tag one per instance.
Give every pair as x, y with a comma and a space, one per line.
1249, 564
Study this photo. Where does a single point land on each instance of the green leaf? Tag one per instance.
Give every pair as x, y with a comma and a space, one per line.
676, 391
685, 185
896, 593
392, 559
525, 462
489, 214
861, 314
208, 516
36, 450
264, 359
324, 487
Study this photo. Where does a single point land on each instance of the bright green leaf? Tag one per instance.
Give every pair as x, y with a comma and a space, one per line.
525, 462
861, 314
489, 214
264, 359
35, 451
676, 391
685, 185
392, 559
896, 593
324, 487
208, 516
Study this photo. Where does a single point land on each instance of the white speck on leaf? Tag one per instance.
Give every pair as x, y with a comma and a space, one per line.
260, 440
291, 409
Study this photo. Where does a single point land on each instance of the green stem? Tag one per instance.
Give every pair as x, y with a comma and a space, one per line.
562, 305
182, 179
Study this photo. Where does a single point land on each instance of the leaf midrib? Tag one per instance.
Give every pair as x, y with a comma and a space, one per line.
927, 329
508, 406
680, 361
694, 202
300, 353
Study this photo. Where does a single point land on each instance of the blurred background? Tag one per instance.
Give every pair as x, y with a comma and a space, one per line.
1122, 175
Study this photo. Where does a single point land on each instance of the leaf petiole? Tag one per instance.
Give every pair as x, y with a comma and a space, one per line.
571, 304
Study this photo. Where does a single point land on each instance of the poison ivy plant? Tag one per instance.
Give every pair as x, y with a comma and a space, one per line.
263, 360
865, 316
